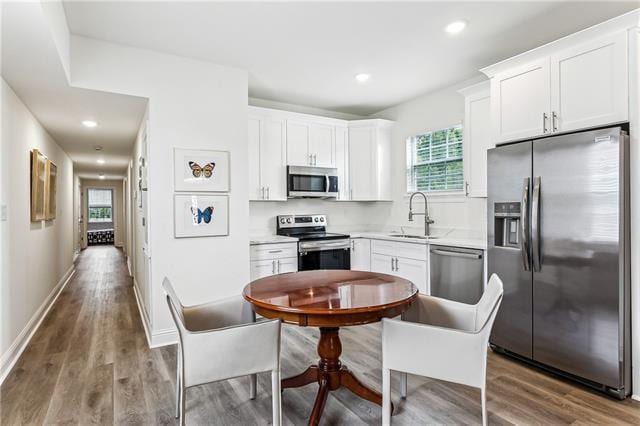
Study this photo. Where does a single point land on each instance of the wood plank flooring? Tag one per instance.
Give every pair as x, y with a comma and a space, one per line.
89, 363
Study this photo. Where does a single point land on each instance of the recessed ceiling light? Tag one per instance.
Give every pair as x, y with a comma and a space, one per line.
362, 77
101, 176
455, 27
89, 123
98, 147
100, 161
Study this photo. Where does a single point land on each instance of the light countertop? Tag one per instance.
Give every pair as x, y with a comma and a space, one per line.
271, 239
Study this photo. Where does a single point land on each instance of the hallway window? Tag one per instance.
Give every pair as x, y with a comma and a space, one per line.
100, 205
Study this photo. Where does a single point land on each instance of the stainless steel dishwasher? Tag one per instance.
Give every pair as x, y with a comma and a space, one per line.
457, 273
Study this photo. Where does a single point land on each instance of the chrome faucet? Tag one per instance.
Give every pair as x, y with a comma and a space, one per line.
427, 219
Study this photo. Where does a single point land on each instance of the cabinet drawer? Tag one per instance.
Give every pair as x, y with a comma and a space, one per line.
273, 251
399, 249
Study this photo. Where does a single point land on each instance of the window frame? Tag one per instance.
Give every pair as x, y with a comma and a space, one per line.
452, 194
110, 206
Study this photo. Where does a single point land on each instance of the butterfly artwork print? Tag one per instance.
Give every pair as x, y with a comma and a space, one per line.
200, 216
199, 171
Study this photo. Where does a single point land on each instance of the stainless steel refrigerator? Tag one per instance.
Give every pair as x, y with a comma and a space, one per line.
558, 237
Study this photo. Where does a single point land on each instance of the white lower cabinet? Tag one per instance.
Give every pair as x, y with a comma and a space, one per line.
409, 269
272, 259
360, 254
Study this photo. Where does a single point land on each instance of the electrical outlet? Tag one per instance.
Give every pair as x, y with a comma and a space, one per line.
3, 213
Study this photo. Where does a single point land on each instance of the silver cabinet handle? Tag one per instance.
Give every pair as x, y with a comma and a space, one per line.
268, 196
350, 194
353, 246
310, 159
262, 191
273, 267
392, 265
314, 159
544, 122
275, 251
278, 266
397, 268
554, 118
524, 225
535, 224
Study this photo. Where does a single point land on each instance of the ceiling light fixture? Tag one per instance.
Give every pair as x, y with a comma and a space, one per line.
362, 77
98, 147
89, 123
101, 176
455, 27
100, 161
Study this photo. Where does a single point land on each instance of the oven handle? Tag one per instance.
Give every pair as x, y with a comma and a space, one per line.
338, 245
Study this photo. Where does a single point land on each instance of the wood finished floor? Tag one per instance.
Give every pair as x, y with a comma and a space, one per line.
89, 364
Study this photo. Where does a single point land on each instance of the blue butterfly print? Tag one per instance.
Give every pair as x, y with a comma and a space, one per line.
202, 215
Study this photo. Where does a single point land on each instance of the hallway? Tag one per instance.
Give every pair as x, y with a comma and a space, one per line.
89, 363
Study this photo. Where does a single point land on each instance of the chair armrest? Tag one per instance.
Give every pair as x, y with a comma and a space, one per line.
432, 351
231, 352
227, 312
441, 312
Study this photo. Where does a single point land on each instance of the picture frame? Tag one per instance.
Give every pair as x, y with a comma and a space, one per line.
200, 170
51, 190
201, 215
38, 185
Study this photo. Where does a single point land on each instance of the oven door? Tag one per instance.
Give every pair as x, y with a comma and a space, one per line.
311, 182
326, 254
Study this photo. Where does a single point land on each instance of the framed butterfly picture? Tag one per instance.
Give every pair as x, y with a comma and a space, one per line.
197, 170
201, 215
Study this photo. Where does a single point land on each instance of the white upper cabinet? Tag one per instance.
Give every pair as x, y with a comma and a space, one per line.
477, 137
369, 160
577, 83
589, 84
342, 162
521, 101
310, 143
267, 154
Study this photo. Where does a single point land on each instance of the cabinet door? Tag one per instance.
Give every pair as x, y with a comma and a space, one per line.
342, 162
255, 132
477, 135
322, 145
262, 268
298, 133
273, 170
360, 254
589, 84
414, 271
289, 264
362, 163
382, 263
522, 101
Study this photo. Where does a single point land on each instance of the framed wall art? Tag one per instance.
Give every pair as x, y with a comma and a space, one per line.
51, 190
201, 215
198, 170
38, 185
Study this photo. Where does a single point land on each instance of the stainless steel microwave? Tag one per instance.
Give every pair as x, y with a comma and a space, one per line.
312, 182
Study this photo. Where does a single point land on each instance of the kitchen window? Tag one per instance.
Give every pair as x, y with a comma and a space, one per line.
100, 205
434, 161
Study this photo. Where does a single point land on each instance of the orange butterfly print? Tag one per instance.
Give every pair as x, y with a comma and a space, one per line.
199, 171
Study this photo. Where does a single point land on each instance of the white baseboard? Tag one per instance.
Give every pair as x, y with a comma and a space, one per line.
129, 265
11, 356
155, 339
143, 313
636, 397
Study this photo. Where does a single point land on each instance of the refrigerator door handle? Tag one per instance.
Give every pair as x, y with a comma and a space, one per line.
524, 225
535, 224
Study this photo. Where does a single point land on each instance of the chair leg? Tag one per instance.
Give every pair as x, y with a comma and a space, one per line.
178, 383
403, 385
253, 386
483, 395
275, 397
386, 396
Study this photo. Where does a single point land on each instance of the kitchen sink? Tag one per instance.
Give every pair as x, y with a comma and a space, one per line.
421, 237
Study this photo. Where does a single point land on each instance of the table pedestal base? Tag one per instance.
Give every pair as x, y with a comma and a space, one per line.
330, 375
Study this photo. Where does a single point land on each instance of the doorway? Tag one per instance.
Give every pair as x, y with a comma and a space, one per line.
100, 216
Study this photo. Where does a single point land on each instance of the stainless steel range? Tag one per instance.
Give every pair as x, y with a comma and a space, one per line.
317, 248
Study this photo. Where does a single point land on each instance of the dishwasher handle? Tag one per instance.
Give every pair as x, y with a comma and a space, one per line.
466, 255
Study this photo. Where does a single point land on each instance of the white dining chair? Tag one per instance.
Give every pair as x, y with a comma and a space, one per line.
441, 339
222, 340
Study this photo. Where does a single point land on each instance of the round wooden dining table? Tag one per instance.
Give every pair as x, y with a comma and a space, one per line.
330, 299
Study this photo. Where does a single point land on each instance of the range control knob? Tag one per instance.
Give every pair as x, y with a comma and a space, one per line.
288, 220
315, 219
282, 220
322, 219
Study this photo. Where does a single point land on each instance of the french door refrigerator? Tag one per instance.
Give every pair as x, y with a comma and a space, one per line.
558, 225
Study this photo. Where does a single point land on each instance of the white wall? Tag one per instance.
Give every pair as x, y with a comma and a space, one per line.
192, 104
118, 208
35, 256
430, 112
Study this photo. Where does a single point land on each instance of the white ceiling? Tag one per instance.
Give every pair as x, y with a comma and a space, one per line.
32, 67
308, 52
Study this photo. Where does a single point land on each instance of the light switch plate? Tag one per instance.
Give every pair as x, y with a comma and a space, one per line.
3, 213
